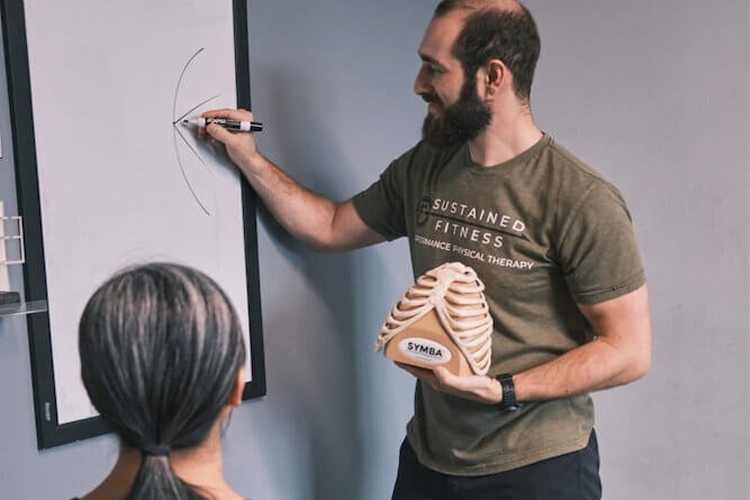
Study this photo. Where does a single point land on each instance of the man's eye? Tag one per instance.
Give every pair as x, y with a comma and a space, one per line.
433, 68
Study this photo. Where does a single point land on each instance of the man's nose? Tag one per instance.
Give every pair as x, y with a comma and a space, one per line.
421, 86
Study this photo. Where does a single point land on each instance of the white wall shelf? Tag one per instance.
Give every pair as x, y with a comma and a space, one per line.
21, 308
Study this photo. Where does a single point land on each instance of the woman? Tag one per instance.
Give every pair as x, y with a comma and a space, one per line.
162, 359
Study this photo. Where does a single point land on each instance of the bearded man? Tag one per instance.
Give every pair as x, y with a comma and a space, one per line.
551, 239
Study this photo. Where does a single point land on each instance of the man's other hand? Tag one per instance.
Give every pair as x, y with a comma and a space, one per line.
474, 387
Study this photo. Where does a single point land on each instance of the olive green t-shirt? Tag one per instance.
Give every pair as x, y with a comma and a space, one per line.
543, 231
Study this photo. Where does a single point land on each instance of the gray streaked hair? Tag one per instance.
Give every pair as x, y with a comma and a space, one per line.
161, 347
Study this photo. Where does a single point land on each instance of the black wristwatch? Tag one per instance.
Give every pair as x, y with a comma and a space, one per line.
509, 402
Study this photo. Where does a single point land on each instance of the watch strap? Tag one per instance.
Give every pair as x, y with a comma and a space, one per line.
509, 402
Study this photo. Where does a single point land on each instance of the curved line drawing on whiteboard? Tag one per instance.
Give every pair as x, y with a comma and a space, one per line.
177, 133
182, 170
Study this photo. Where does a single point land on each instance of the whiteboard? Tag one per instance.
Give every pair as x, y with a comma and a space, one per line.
120, 180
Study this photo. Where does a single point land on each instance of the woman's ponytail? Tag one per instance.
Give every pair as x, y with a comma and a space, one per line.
157, 480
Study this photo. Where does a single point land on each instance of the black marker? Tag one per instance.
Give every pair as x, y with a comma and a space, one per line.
234, 125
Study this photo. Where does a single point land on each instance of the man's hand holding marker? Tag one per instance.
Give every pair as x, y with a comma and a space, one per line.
241, 147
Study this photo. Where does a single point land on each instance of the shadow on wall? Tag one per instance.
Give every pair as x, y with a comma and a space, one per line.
321, 379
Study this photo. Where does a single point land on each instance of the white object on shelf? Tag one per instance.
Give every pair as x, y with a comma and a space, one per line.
11, 231
14, 236
4, 280
18, 237
9, 235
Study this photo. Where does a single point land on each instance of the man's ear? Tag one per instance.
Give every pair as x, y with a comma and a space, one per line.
235, 397
493, 77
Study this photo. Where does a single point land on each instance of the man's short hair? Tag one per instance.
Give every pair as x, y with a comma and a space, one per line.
494, 31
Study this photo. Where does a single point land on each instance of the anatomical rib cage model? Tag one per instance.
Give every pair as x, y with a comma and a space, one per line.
443, 320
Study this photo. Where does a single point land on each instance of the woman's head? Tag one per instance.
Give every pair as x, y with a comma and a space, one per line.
161, 350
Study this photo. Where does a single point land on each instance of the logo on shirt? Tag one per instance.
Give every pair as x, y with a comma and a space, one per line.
423, 210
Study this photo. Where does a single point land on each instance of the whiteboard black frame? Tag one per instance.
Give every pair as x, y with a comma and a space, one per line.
49, 432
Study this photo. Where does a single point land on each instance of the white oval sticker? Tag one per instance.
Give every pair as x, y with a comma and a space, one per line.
425, 350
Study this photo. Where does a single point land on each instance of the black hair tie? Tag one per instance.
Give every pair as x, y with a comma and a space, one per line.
155, 450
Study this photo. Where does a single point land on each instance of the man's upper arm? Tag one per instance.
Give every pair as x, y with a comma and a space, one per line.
624, 324
349, 231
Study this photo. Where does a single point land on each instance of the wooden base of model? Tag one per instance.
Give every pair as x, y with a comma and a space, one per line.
426, 345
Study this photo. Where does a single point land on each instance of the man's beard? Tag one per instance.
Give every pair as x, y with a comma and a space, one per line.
460, 122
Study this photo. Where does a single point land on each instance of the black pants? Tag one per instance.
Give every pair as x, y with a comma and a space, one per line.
574, 476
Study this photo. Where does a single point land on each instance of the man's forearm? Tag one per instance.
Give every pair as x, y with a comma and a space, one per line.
591, 367
305, 214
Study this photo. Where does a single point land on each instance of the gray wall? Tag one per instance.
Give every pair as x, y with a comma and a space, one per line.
652, 94
655, 95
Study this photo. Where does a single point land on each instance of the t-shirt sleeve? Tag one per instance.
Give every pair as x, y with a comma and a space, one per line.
381, 206
598, 251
